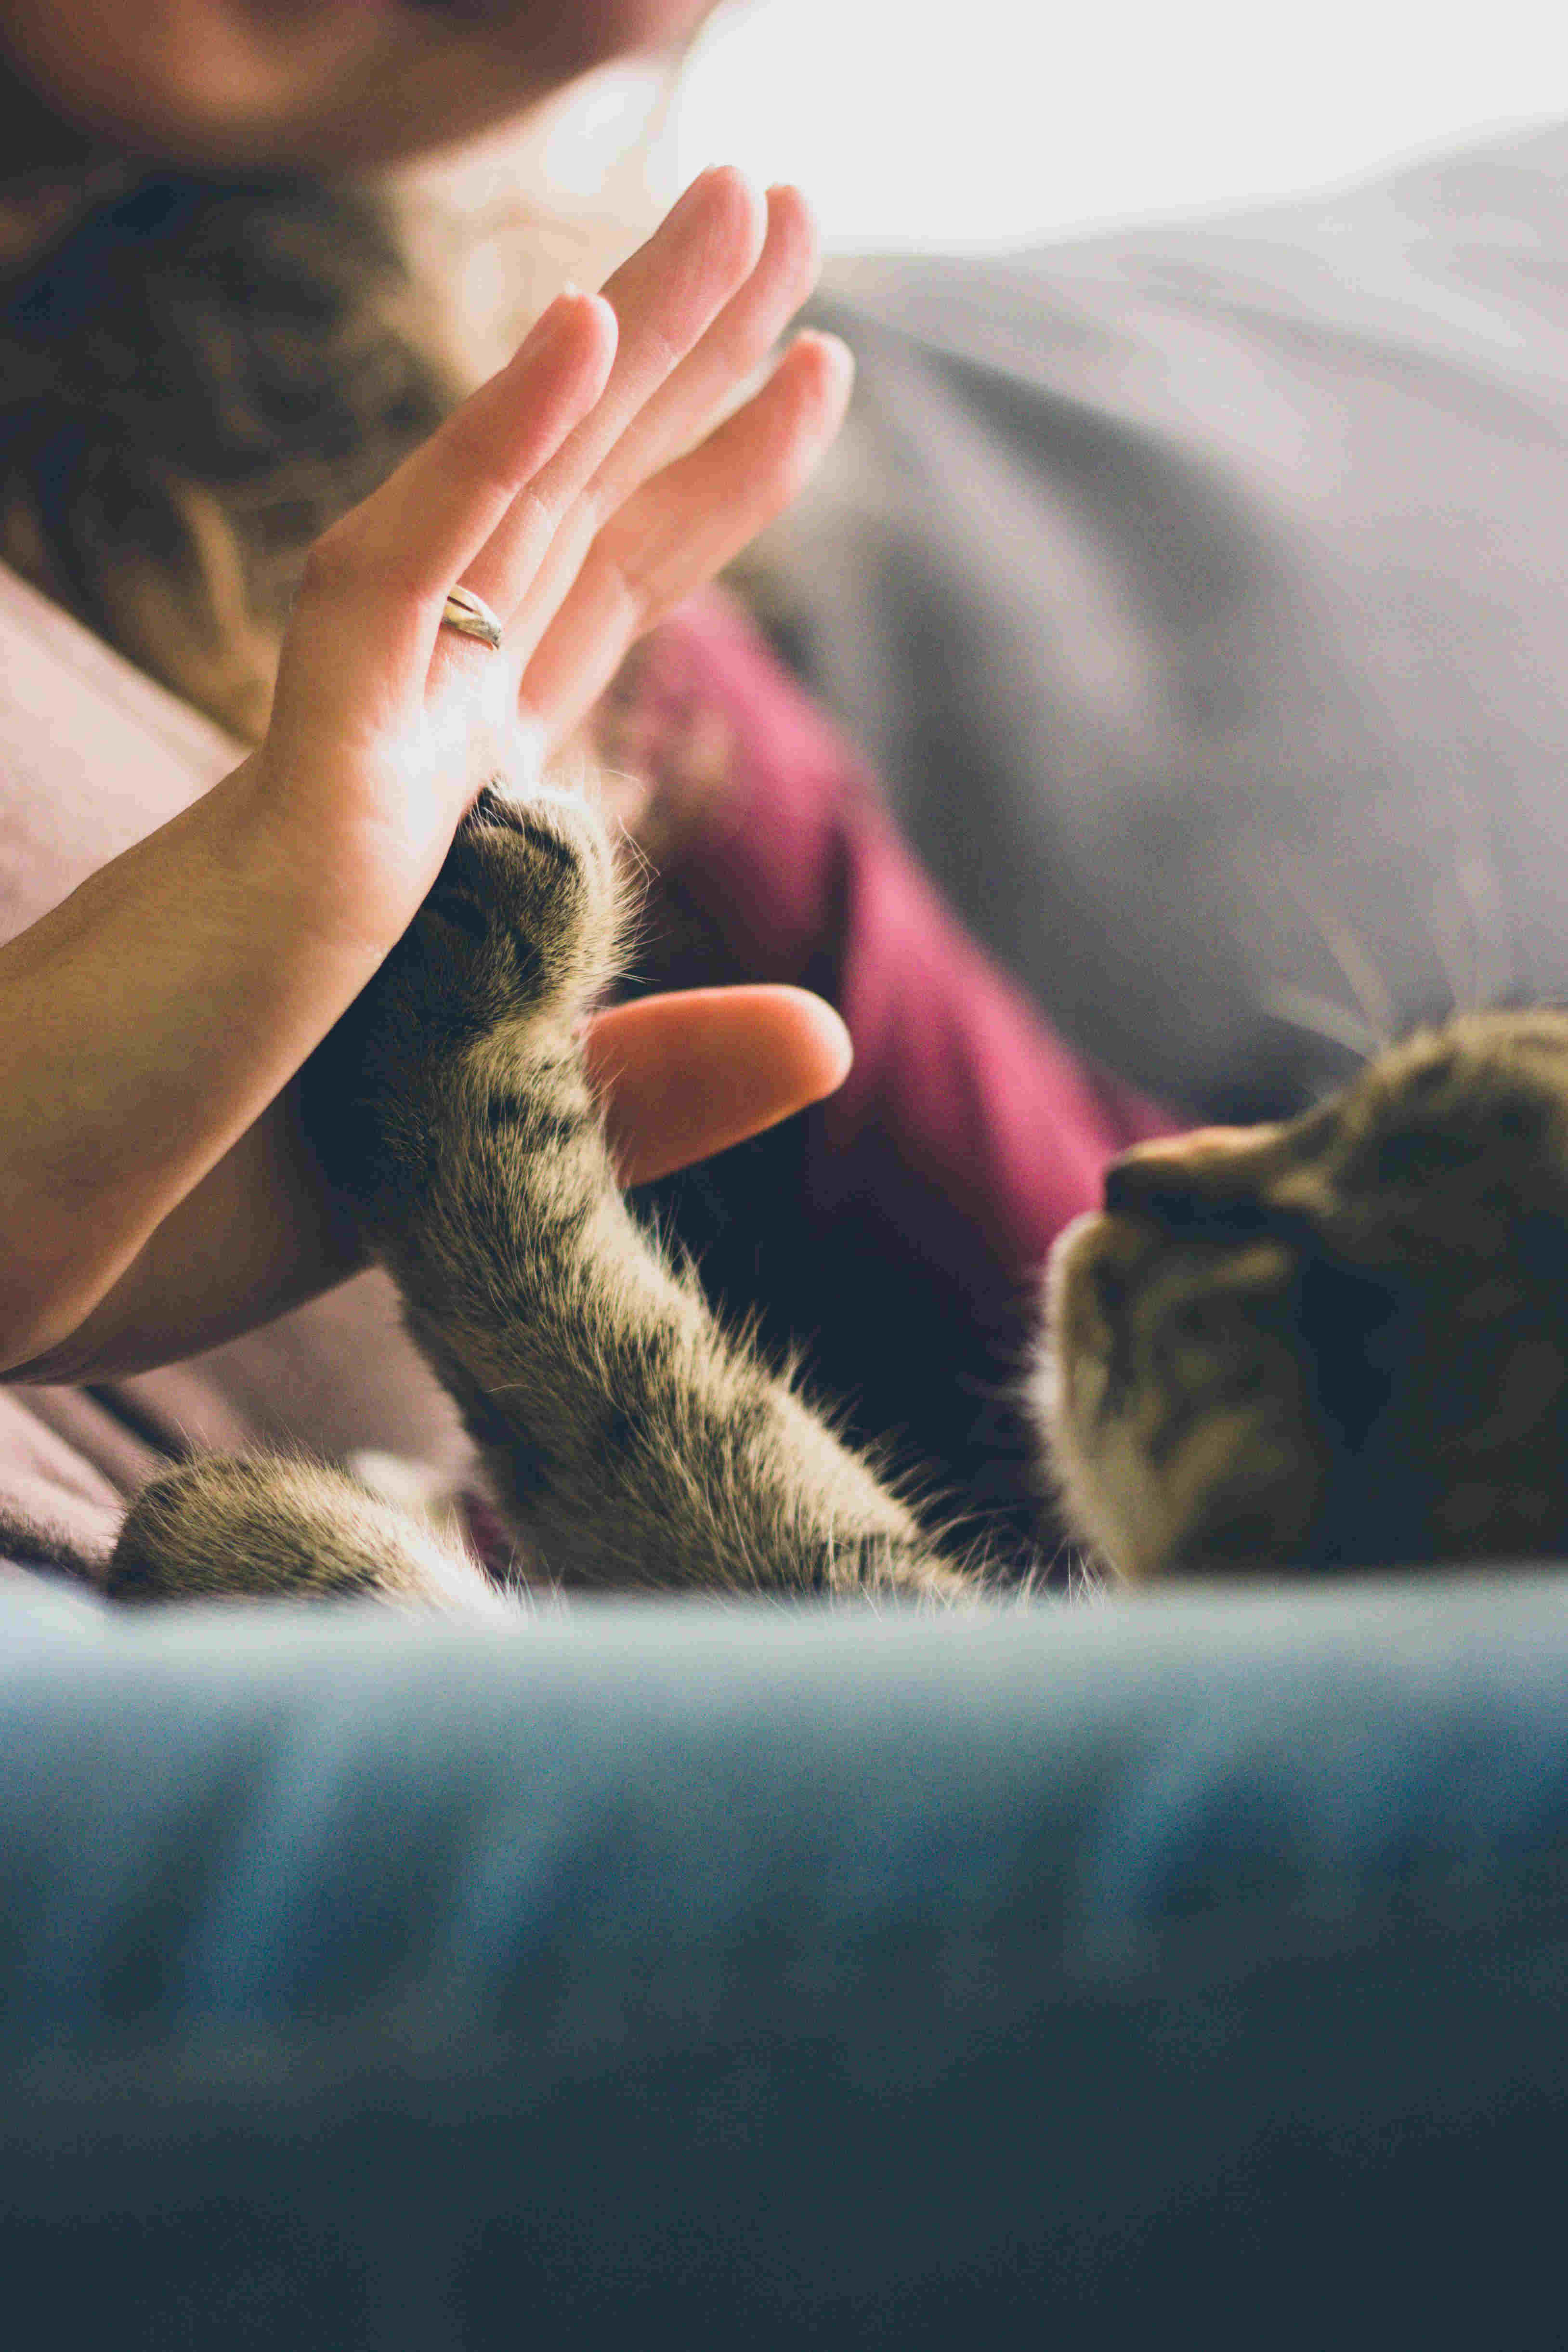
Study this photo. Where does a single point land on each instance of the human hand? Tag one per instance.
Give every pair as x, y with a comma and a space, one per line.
572, 494
147, 1023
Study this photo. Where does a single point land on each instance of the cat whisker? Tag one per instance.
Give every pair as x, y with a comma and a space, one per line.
629, 848
1318, 1016
1374, 999
1493, 965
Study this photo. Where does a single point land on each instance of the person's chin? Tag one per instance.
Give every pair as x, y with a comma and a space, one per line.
312, 84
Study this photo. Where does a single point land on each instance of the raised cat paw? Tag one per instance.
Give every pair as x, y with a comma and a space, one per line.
516, 939
521, 921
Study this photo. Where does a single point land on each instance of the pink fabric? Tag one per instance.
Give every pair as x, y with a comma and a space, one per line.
802, 877
898, 1230
93, 756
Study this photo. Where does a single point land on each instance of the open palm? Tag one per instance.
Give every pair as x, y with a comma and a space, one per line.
574, 494
155, 1194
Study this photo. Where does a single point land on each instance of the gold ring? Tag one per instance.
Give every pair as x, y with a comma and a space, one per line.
471, 618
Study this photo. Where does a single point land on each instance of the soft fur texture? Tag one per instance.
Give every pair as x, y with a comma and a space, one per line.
197, 377
1327, 1344
630, 1442
1334, 1344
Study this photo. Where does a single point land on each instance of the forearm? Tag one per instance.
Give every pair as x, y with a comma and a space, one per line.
682, 1076
261, 1233
146, 1025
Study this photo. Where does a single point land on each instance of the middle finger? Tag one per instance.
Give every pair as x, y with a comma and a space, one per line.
664, 298
739, 339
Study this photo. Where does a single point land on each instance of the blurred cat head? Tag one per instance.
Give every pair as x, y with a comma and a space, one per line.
1336, 1343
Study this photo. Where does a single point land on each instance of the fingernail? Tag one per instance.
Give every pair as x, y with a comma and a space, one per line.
837, 351
540, 336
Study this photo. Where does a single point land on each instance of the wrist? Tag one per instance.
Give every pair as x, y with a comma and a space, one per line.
147, 1022
345, 873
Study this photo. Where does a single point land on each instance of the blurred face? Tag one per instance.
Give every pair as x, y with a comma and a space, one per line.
319, 84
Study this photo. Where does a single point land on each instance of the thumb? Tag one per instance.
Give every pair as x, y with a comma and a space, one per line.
687, 1075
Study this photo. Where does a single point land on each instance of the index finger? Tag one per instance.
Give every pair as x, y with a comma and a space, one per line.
378, 579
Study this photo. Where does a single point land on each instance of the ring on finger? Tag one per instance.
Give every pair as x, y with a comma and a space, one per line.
471, 618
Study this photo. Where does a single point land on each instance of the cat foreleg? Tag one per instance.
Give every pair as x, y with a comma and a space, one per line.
639, 1445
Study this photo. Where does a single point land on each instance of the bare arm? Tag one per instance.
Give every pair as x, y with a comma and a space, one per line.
154, 1194
263, 1231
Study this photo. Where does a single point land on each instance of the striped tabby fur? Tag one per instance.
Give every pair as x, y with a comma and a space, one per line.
628, 1439
1328, 1345
1335, 1344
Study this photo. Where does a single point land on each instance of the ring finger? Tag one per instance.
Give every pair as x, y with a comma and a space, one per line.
666, 298
723, 355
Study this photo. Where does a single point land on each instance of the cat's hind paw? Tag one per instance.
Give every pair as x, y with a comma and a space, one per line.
264, 1528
